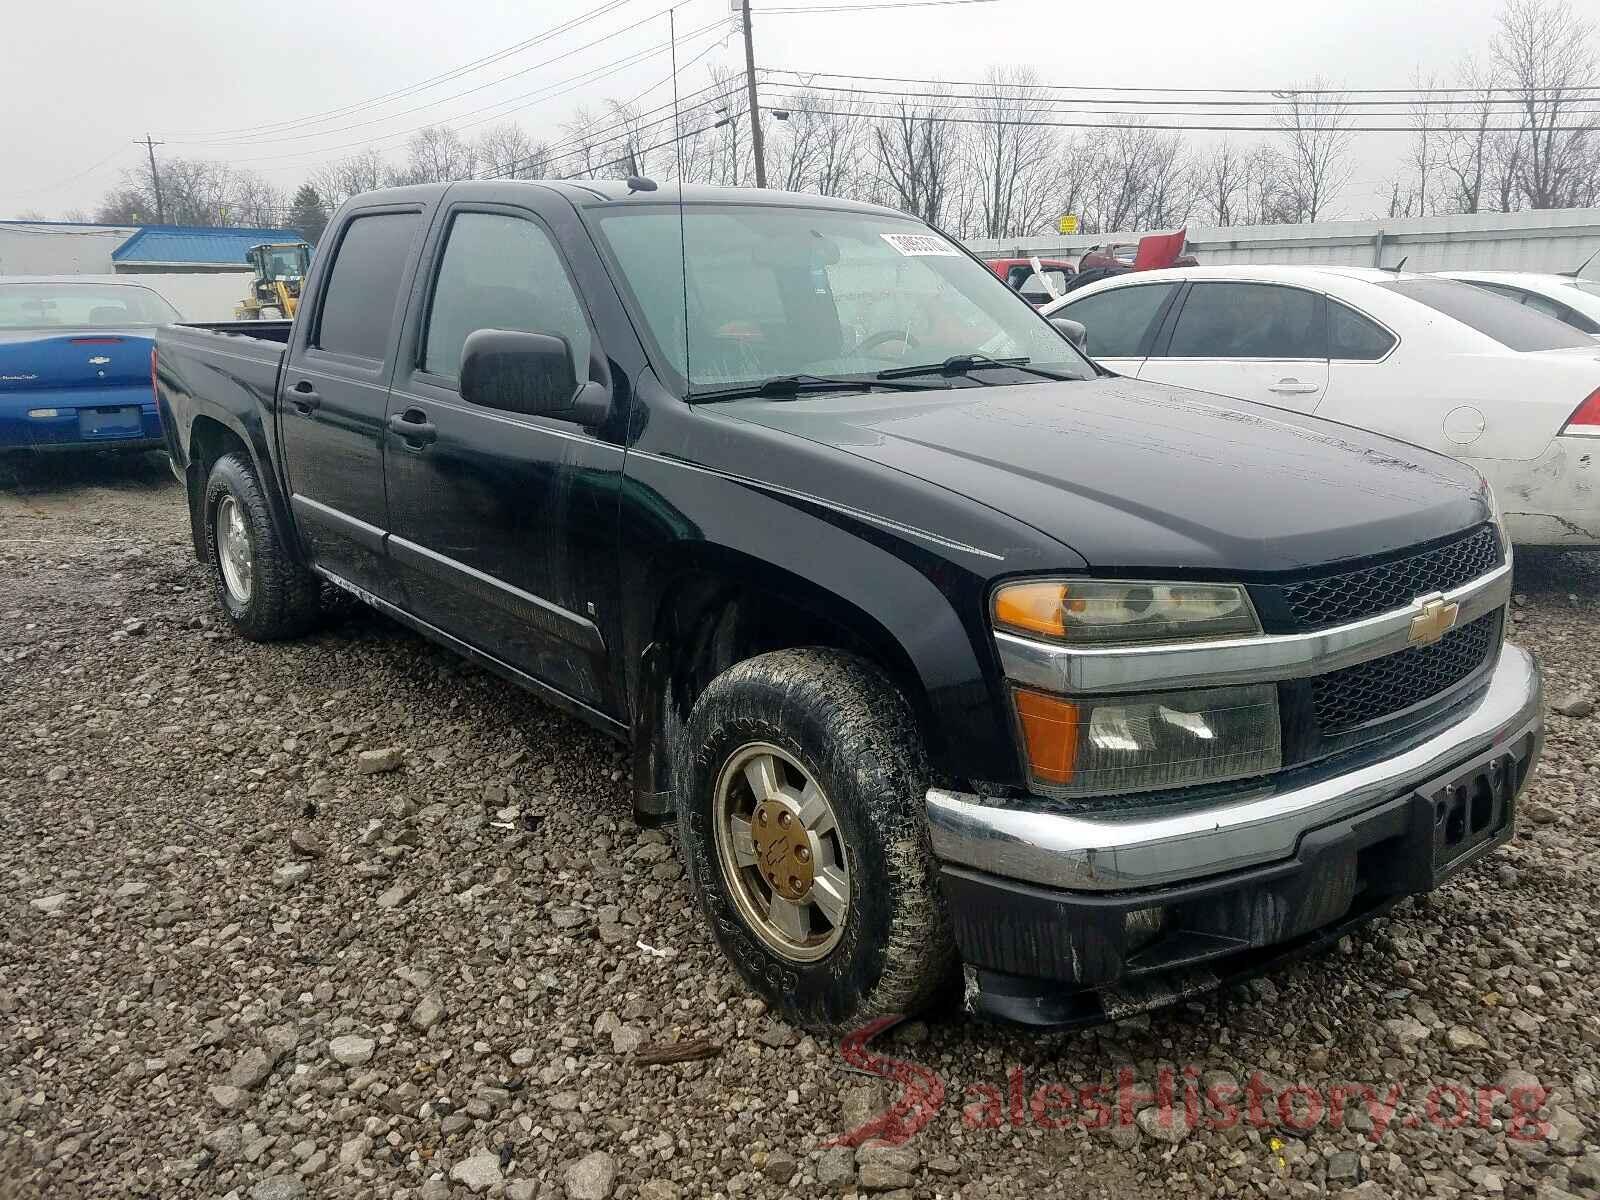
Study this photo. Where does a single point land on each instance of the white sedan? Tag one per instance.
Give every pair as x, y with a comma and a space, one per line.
1432, 361
1568, 299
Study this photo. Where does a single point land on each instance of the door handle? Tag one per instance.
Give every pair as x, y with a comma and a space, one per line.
413, 425
305, 397
1293, 387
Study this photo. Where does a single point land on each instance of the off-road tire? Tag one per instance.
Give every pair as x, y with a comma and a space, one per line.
854, 733
285, 597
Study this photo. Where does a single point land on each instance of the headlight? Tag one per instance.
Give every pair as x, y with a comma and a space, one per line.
1104, 746
1100, 613
1497, 520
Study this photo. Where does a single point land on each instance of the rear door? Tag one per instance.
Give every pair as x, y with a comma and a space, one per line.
334, 393
1266, 342
1121, 322
505, 524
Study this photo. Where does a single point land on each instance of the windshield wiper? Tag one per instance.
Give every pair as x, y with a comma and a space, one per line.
963, 364
788, 387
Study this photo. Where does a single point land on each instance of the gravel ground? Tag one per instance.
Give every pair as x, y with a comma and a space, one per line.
347, 917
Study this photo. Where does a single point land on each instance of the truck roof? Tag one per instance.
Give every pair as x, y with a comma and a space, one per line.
589, 193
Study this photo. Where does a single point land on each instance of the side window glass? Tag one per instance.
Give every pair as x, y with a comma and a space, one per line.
500, 272
1353, 338
359, 301
1250, 320
1118, 319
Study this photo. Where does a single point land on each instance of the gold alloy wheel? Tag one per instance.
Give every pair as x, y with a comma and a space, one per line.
781, 852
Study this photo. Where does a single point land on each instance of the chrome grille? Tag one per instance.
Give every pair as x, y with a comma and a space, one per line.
1356, 695
1337, 599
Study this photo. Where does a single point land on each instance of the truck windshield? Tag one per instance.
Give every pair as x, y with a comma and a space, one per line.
775, 292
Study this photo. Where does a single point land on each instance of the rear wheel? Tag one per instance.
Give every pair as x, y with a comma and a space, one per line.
265, 592
800, 814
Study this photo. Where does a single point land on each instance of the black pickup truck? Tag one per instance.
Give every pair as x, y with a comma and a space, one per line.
957, 659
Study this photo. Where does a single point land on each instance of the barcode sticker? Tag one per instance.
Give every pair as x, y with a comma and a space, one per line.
913, 245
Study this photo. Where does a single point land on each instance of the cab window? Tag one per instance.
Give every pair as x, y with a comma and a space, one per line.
500, 272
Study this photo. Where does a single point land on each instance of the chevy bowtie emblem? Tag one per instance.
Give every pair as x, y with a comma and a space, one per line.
99, 360
1435, 618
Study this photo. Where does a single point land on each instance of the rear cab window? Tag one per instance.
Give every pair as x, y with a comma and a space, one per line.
1515, 326
359, 300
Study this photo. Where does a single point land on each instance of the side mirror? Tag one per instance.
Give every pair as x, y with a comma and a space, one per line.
529, 373
1074, 331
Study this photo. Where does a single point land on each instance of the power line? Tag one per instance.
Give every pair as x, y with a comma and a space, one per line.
423, 85
1281, 92
455, 123
1036, 94
634, 124
920, 114
566, 54
73, 178
912, 103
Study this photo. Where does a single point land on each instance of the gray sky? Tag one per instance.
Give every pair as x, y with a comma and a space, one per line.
82, 81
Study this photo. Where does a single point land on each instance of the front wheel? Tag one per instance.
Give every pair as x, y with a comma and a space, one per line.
801, 820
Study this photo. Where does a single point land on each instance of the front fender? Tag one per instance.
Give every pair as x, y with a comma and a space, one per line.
914, 598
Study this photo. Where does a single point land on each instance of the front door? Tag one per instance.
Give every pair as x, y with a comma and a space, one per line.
333, 398
504, 524
1255, 341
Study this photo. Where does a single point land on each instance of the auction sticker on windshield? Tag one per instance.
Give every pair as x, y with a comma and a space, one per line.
914, 244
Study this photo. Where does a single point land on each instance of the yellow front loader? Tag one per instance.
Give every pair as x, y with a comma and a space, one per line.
280, 272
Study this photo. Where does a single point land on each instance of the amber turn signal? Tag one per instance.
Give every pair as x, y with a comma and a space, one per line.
1050, 734
1032, 607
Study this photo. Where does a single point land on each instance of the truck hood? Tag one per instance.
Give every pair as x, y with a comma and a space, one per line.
1147, 476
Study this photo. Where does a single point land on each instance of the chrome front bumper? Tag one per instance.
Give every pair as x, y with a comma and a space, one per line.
1034, 841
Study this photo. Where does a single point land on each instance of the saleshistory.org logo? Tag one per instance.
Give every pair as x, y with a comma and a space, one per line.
1180, 1097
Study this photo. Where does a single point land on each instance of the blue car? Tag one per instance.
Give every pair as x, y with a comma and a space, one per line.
75, 364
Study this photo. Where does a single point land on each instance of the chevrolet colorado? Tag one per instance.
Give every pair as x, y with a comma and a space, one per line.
959, 662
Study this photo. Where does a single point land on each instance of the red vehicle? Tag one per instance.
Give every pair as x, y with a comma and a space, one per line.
1057, 273
1149, 253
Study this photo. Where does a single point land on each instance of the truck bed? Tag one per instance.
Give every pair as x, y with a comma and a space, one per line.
264, 331
227, 371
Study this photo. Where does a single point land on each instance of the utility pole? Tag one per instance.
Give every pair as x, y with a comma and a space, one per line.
756, 144
155, 175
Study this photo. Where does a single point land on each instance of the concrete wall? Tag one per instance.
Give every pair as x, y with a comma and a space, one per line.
199, 297
60, 249
1552, 240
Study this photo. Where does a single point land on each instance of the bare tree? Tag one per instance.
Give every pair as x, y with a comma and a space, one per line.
1467, 149
255, 202
1424, 159
1013, 157
362, 172
505, 151
816, 146
194, 191
437, 154
919, 157
1143, 181
1219, 182
1545, 52
1315, 123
